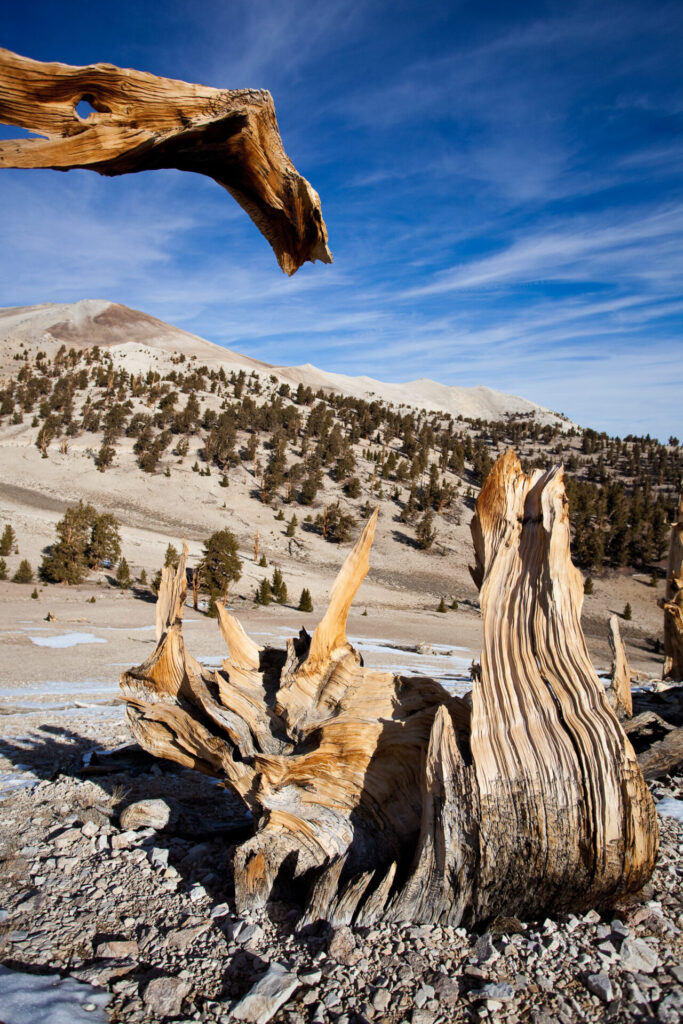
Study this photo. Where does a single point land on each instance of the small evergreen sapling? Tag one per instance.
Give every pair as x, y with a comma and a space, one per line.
442, 606
3, 569
424, 534
278, 587
305, 601
628, 612
24, 573
123, 574
7, 541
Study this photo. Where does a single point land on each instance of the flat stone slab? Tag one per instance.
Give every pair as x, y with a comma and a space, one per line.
267, 996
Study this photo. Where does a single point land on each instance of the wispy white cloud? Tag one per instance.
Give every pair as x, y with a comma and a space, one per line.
588, 249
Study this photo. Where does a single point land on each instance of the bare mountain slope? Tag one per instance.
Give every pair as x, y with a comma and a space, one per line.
109, 325
141, 341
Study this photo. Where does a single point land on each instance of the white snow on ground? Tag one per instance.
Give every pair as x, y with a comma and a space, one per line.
440, 661
21, 778
49, 999
66, 640
670, 807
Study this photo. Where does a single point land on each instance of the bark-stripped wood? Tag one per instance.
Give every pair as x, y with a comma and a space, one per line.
619, 691
673, 603
386, 796
141, 122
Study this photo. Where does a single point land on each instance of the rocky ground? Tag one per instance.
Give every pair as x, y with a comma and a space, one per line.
141, 908
140, 904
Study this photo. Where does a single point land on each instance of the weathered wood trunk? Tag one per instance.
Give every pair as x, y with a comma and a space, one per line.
673, 603
386, 796
141, 122
619, 692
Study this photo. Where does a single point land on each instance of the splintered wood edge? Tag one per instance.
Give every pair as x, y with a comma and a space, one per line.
243, 651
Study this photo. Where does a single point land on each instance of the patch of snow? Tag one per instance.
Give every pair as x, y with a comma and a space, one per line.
66, 640
49, 999
49, 687
670, 807
10, 782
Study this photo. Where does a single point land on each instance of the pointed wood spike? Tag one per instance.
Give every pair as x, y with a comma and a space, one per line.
330, 632
172, 595
619, 692
673, 603
244, 652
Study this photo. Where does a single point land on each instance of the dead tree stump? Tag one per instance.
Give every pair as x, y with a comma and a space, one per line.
385, 796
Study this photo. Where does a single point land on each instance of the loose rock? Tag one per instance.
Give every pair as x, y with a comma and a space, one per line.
164, 997
154, 814
267, 996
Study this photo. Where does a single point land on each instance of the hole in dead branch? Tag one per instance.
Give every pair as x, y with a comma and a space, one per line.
84, 109
88, 105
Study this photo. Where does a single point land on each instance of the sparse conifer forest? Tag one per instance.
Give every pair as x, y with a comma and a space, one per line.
334, 454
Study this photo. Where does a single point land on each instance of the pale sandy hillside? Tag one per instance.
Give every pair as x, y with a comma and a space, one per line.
141, 342
178, 500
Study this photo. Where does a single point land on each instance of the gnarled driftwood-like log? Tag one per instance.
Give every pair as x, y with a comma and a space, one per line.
141, 122
387, 796
619, 690
673, 603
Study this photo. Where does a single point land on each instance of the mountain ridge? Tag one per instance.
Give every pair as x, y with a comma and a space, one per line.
137, 339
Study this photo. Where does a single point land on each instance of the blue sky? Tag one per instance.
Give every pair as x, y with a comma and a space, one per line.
502, 185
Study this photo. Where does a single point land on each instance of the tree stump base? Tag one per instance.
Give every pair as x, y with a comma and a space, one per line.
385, 797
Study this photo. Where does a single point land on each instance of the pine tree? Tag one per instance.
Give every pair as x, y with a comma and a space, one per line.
221, 564
588, 585
66, 561
171, 557
262, 562
24, 573
263, 592
123, 574
424, 534
3, 569
305, 601
105, 456
291, 526
105, 541
143, 577
454, 605
442, 606
279, 587
628, 612
7, 541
